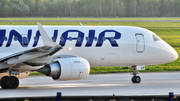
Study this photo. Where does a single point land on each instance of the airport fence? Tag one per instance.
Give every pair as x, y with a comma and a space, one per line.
95, 98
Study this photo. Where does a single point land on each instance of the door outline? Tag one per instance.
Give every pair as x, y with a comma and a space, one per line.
140, 43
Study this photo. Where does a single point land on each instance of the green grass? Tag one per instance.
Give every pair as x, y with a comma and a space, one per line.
99, 70
91, 18
138, 24
43, 23
171, 36
35, 73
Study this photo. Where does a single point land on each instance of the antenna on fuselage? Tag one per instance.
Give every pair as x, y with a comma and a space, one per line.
81, 24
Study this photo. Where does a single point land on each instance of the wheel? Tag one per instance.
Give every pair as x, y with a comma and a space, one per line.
12, 82
3, 82
136, 79
132, 79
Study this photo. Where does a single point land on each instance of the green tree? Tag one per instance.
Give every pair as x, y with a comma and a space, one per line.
7, 10
2, 4
176, 10
41, 8
52, 8
129, 4
23, 9
31, 4
90, 8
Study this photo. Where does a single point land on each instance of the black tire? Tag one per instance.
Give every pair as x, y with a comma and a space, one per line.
136, 79
3, 82
132, 79
12, 82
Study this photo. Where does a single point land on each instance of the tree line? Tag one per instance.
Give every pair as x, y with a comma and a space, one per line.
89, 8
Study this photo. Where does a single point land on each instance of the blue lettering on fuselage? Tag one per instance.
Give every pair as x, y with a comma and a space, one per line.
19, 38
55, 35
24, 41
36, 39
2, 35
102, 36
79, 38
90, 38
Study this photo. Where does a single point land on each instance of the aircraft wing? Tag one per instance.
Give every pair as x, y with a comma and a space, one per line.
48, 49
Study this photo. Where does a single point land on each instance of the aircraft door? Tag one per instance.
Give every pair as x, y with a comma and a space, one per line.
140, 44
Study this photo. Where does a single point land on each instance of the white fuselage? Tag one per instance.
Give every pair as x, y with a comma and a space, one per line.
134, 46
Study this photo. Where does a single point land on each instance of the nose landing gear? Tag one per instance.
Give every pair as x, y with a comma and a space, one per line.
135, 78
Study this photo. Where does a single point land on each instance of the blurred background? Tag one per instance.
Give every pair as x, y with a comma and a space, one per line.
89, 8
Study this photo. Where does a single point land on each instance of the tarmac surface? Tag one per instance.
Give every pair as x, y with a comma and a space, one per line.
98, 85
89, 20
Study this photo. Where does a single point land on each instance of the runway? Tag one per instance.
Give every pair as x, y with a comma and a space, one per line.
98, 84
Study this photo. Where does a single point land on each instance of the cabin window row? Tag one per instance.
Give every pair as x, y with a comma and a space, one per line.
61, 38
79, 38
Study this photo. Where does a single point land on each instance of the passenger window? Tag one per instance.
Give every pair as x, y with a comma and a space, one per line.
95, 38
87, 38
24, 39
112, 38
62, 38
15, 38
5, 38
104, 39
53, 38
70, 38
35, 38
78, 38
155, 38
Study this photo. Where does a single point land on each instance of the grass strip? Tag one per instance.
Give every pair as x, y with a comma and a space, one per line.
35, 73
138, 24
91, 18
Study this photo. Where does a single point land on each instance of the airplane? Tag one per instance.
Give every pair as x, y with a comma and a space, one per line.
67, 52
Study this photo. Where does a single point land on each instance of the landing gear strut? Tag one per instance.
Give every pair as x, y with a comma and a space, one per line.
9, 82
135, 78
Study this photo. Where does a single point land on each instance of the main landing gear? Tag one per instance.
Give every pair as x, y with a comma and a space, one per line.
135, 78
9, 82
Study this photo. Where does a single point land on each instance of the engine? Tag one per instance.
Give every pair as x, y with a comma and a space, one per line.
74, 68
